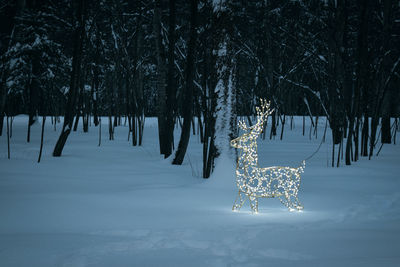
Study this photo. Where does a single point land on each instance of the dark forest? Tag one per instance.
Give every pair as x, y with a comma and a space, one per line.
199, 63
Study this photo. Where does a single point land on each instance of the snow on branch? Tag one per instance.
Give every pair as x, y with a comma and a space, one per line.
219, 6
315, 93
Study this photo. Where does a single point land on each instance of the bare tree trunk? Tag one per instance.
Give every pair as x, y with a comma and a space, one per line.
1, 123
225, 125
41, 138
8, 139
337, 90
365, 137
340, 151
74, 81
85, 109
283, 125
110, 128
3, 96
28, 135
170, 90
386, 136
95, 82
85, 122
78, 112
99, 131
396, 127
129, 126
3, 89
134, 131
201, 131
385, 73
316, 127
34, 88
273, 125
11, 126
115, 124
333, 151
161, 85
141, 127
362, 54
139, 88
187, 108
356, 140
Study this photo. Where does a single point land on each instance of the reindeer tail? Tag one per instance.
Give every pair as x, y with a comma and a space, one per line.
302, 166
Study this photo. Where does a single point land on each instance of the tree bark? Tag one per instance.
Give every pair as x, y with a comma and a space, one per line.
188, 100
20, 6
34, 89
8, 139
99, 131
365, 136
95, 82
1, 123
74, 80
161, 78
384, 76
361, 81
139, 88
170, 90
224, 124
79, 109
41, 138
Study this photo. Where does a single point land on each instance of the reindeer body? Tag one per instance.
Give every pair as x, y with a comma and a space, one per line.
256, 182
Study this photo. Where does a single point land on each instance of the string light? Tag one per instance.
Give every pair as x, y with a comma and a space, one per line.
256, 182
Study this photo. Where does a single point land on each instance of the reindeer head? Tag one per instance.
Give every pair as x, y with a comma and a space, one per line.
251, 133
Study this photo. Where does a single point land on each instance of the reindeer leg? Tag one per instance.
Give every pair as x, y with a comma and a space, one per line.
253, 204
296, 203
285, 200
292, 194
291, 202
297, 184
239, 201
284, 197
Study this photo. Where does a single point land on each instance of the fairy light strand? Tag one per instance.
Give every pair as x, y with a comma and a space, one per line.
255, 182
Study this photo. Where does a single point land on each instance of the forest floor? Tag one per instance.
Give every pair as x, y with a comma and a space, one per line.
119, 205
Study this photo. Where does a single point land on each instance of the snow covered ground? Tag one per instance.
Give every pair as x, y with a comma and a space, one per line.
118, 205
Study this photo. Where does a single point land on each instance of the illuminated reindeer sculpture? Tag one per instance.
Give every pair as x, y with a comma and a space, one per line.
255, 182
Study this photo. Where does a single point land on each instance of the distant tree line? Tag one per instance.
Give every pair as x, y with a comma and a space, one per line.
201, 63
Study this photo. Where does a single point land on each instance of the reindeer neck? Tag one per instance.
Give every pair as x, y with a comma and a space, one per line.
249, 156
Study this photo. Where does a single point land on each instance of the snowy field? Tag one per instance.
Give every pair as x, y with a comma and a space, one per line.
118, 205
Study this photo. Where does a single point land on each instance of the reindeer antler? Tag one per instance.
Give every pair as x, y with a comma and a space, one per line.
263, 110
242, 125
